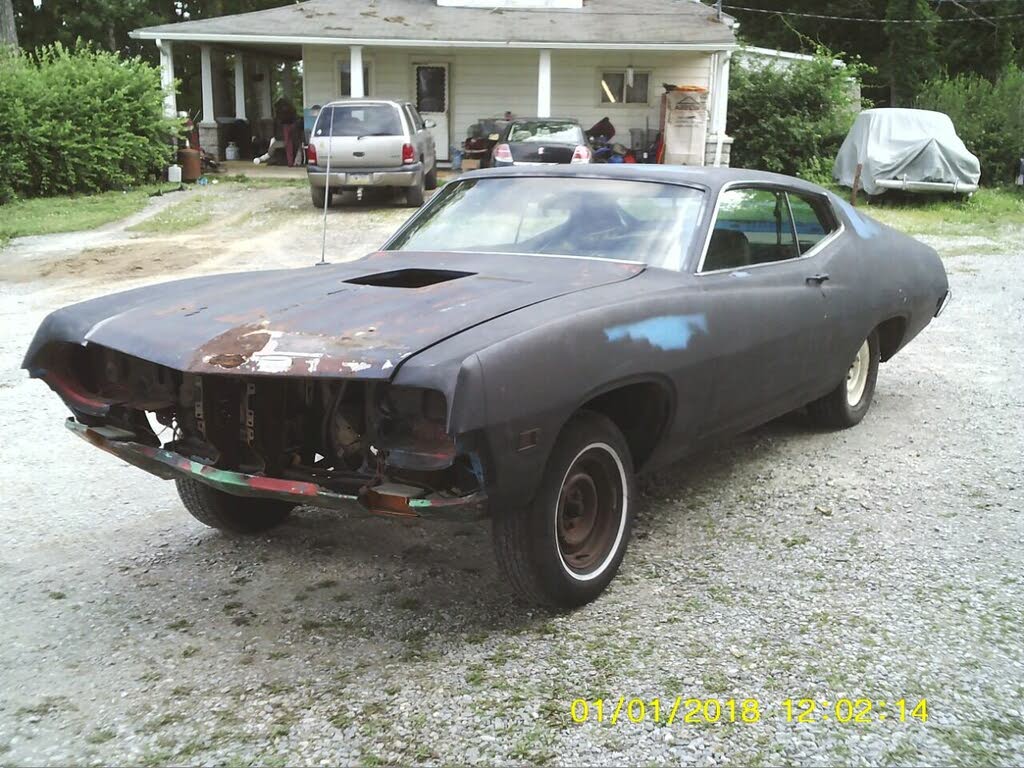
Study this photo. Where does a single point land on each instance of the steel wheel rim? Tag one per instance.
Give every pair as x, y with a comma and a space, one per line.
590, 514
857, 376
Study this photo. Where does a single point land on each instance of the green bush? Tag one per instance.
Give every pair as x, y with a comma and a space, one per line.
791, 118
989, 117
79, 120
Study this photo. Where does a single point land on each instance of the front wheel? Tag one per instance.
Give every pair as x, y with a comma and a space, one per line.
564, 548
236, 514
847, 404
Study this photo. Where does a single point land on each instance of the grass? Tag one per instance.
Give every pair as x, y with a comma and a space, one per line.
49, 215
192, 212
984, 212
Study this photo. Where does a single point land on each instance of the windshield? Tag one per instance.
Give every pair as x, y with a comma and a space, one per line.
545, 131
641, 221
359, 120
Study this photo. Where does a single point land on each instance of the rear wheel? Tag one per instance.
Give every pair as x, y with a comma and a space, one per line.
431, 181
414, 195
564, 548
319, 195
847, 404
237, 514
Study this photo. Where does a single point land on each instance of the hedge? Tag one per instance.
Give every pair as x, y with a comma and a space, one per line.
791, 118
989, 117
79, 120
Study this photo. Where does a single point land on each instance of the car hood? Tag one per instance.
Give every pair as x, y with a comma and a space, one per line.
359, 319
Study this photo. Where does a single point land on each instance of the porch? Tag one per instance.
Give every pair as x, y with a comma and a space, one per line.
459, 61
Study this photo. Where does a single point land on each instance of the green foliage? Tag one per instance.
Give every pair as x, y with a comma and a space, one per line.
989, 117
971, 45
913, 54
79, 120
791, 118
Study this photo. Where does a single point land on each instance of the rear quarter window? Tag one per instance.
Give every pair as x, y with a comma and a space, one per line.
813, 218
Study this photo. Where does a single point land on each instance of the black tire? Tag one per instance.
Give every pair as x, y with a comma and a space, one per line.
319, 195
546, 561
834, 410
430, 182
236, 514
414, 195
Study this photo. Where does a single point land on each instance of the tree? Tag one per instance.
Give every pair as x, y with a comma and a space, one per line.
8, 30
946, 37
913, 53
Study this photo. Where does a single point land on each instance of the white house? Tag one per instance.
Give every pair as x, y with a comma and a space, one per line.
462, 60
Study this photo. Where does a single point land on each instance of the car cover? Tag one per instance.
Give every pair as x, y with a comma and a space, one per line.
914, 144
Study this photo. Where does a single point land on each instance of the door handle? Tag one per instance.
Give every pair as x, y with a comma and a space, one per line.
817, 279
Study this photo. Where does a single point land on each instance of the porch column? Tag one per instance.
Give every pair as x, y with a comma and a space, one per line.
266, 89
206, 68
239, 86
720, 105
167, 77
355, 53
544, 84
287, 84
720, 97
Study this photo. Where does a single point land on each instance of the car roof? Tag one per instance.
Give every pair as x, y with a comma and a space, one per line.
689, 175
519, 119
358, 100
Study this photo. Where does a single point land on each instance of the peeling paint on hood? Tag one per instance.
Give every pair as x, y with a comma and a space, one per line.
310, 321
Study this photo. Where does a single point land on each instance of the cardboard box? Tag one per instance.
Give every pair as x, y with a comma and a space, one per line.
470, 165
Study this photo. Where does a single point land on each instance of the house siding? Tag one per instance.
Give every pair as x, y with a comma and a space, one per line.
487, 82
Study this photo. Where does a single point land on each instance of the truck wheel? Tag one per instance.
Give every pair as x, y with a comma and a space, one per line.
847, 404
319, 195
431, 181
564, 548
414, 195
237, 514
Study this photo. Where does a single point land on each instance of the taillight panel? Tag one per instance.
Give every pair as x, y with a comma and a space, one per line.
503, 153
408, 154
581, 154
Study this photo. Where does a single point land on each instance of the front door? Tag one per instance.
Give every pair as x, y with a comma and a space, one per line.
772, 316
431, 82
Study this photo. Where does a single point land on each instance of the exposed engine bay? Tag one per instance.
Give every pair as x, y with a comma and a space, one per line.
348, 436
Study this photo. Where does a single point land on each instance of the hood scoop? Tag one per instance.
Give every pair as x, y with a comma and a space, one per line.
409, 278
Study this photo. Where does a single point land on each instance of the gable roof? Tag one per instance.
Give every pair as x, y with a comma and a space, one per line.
666, 24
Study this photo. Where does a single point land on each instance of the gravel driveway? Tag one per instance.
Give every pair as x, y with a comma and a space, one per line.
881, 563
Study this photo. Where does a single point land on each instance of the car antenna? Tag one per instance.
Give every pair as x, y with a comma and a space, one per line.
327, 190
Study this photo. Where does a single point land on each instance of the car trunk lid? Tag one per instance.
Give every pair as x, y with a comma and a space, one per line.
535, 152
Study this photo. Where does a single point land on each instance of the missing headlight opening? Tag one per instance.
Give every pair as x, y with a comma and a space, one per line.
344, 435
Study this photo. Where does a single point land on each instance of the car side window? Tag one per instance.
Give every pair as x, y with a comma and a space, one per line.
753, 226
416, 119
813, 219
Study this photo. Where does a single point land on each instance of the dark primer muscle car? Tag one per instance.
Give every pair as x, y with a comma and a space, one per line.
520, 348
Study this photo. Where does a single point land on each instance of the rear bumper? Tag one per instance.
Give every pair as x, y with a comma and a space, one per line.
401, 176
954, 187
170, 466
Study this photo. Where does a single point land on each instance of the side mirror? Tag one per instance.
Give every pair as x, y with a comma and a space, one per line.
429, 124
494, 137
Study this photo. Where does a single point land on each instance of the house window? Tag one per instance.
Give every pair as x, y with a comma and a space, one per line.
345, 87
616, 89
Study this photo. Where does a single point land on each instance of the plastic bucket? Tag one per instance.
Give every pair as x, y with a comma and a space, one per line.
174, 174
